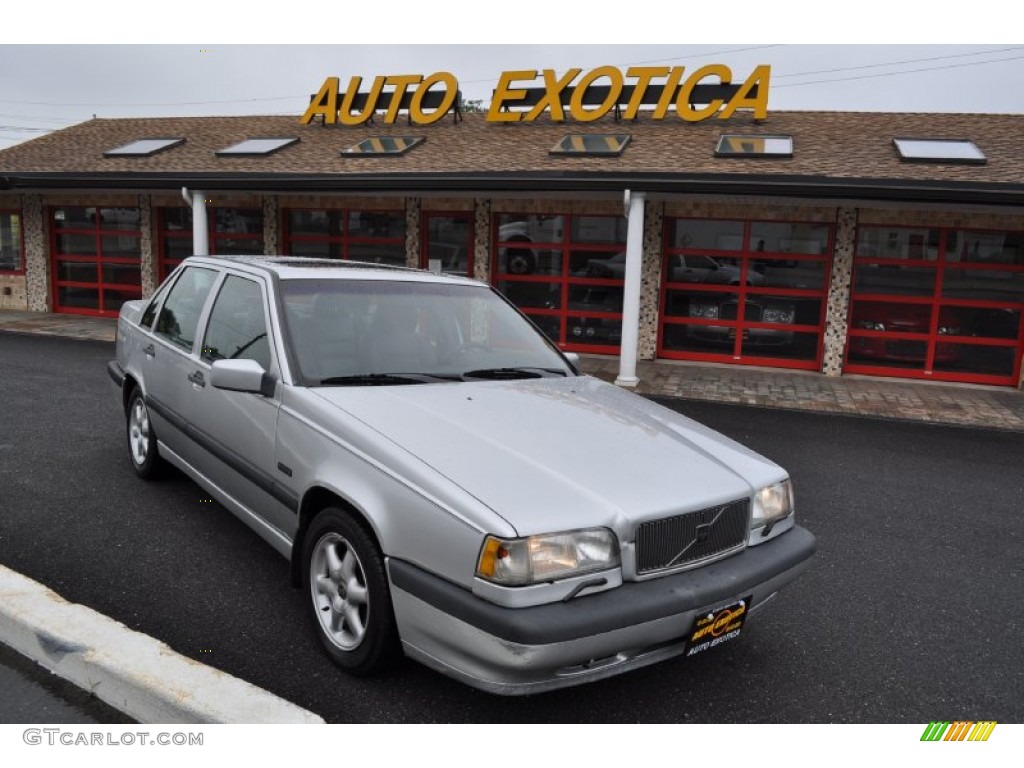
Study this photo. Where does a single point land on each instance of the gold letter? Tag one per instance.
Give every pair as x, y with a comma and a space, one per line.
666, 97
452, 86
504, 93
402, 82
552, 96
683, 108
324, 103
644, 76
346, 116
576, 102
758, 77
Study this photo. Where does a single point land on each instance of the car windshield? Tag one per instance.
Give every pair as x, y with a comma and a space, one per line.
382, 332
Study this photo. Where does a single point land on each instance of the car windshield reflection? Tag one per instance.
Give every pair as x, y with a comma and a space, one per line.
384, 332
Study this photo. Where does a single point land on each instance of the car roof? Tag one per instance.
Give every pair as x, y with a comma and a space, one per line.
297, 268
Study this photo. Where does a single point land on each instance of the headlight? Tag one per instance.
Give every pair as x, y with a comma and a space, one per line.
772, 503
703, 309
949, 330
774, 315
516, 562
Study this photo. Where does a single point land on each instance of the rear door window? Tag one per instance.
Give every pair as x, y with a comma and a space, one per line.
179, 317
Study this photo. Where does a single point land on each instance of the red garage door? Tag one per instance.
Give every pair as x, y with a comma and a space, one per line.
943, 304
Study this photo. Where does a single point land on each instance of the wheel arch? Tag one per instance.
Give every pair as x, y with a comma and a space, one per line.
127, 387
315, 499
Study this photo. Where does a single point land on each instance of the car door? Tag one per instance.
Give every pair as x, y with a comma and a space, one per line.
169, 355
238, 430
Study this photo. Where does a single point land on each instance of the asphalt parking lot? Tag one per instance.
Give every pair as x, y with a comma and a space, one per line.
910, 613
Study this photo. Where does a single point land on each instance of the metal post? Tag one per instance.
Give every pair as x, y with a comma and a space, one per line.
631, 290
200, 228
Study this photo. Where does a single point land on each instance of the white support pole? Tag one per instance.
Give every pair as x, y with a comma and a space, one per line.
200, 227
631, 290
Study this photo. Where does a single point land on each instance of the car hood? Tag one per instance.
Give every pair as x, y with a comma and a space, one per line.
556, 454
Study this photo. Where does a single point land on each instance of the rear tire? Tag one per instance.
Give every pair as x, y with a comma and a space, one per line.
142, 442
347, 593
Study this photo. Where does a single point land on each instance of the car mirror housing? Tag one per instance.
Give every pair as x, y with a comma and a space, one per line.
241, 376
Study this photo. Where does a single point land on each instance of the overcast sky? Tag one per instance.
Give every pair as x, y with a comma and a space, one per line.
48, 86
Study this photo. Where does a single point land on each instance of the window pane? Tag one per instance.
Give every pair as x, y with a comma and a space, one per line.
76, 245
315, 222
790, 345
691, 268
77, 271
448, 242
177, 248
549, 326
122, 274
113, 298
982, 322
75, 217
390, 224
983, 284
898, 243
706, 233
593, 331
778, 273
597, 264
121, 246
10, 241
238, 221
986, 247
886, 278
891, 317
524, 260
523, 228
119, 218
596, 298
608, 230
315, 250
78, 298
180, 314
237, 327
974, 358
177, 218
237, 246
788, 238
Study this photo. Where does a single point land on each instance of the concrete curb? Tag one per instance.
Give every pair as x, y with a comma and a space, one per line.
132, 672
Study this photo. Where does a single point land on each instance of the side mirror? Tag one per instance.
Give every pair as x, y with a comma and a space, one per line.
242, 376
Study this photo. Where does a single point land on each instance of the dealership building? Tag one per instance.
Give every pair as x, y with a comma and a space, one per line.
884, 244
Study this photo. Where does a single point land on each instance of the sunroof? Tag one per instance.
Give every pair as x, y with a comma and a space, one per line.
939, 151
754, 145
384, 145
259, 146
143, 147
591, 144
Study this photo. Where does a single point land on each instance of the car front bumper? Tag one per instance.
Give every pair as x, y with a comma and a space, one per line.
519, 651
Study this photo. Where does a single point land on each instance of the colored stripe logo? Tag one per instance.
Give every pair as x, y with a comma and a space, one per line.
958, 731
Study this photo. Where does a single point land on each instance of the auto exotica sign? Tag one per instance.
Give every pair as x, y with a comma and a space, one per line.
518, 98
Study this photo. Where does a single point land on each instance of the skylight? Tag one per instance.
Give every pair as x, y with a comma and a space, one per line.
143, 147
384, 145
260, 146
939, 151
754, 145
591, 144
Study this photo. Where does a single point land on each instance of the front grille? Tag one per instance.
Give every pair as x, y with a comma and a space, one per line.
675, 541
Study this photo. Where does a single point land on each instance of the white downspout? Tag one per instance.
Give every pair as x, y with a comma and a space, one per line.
200, 227
631, 290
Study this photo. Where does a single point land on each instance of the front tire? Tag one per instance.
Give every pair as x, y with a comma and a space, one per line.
142, 447
348, 596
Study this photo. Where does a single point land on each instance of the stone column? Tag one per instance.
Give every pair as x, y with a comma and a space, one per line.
837, 313
271, 245
147, 254
37, 261
650, 290
413, 205
482, 239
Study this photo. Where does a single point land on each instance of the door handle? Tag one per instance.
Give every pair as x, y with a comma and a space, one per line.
197, 379
149, 350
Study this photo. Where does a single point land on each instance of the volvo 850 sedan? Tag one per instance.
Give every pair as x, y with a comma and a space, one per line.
443, 480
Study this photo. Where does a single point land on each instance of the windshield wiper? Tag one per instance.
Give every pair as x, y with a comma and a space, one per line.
384, 379
521, 372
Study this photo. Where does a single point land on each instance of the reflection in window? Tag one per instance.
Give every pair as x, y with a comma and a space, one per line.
377, 237
986, 247
706, 234
10, 241
770, 237
898, 243
179, 316
237, 329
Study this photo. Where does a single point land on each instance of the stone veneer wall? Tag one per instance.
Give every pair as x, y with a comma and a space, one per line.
412, 231
271, 245
650, 285
838, 308
482, 240
147, 254
37, 263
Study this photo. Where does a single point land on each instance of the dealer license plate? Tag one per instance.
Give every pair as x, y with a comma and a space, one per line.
718, 626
